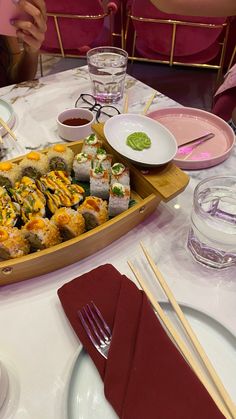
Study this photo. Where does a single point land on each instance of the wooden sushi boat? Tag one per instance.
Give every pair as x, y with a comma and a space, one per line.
149, 188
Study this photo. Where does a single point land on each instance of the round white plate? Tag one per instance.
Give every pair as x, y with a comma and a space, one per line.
86, 398
7, 114
163, 144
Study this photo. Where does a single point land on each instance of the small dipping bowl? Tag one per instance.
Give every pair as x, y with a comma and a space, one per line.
75, 124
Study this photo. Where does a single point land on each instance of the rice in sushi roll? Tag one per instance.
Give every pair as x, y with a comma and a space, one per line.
9, 211
99, 181
9, 174
60, 157
82, 166
91, 145
104, 158
69, 222
119, 199
41, 233
94, 211
34, 165
120, 174
12, 243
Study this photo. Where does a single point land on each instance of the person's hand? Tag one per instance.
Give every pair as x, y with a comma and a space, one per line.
32, 33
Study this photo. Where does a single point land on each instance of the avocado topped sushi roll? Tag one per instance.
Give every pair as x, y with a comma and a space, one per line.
34, 165
9, 174
60, 158
12, 243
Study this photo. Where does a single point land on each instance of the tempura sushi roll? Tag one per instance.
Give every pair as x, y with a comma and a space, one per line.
34, 165
60, 157
41, 233
9, 174
82, 166
120, 174
99, 181
91, 145
119, 199
12, 243
94, 211
9, 210
104, 158
69, 222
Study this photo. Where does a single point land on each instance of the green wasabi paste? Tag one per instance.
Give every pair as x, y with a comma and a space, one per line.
138, 141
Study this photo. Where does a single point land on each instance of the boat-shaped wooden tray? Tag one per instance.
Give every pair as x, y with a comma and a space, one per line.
147, 190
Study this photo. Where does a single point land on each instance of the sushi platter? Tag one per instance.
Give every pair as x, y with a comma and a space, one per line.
46, 228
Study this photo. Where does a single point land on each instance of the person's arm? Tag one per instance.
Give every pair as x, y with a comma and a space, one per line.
31, 35
211, 8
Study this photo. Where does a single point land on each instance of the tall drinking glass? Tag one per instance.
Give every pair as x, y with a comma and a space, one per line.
212, 235
107, 69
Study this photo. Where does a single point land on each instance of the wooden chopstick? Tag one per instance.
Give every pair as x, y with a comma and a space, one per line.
190, 333
181, 345
126, 103
7, 128
148, 104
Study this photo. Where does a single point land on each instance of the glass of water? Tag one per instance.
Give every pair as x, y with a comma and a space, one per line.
107, 69
212, 235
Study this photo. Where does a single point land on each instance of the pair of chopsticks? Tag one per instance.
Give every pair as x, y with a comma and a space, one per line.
215, 388
147, 106
8, 129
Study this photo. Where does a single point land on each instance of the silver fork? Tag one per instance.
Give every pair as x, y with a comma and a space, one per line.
96, 328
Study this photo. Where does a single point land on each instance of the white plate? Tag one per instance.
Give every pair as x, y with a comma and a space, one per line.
7, 114
163, 144
86, 399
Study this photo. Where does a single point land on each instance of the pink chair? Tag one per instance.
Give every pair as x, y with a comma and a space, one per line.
73, 27
173, 39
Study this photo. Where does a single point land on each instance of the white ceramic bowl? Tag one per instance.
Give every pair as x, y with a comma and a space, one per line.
4, 384
75, 132
163, 144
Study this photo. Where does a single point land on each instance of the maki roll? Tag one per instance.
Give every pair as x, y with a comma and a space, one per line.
9, 211
60, 157
94, 211
104, 158
69, 222
120, 174
9, 174
118, 199
91, 145
34, 165
41, 233
82, 166
99, 181
12, 243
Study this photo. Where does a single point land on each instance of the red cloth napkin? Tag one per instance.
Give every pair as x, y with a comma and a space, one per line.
145, 377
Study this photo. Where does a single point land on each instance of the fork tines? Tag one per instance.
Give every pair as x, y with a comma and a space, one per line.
96, 328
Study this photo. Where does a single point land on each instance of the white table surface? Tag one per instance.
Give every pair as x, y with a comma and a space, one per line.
37, 344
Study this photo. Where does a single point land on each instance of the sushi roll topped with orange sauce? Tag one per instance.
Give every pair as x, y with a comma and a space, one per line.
94, 211
41, 233
9, 174
34, 165
69, 222
12, 243
60, 158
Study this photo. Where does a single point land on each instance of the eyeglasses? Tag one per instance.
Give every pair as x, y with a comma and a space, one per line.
88, 101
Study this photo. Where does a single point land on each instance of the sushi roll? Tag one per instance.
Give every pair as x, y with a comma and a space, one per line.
99, 181
94, 211
120, 174
41, 233
12, 243
34, 165
31, 200
82, 166
119, 199
69, 222
9, 174
104, 158
91, 145
60, 157
9, 211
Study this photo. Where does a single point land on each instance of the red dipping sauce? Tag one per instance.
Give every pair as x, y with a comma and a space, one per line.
75, 122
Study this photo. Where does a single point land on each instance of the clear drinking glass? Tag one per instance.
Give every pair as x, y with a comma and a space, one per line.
107, 69
212, 235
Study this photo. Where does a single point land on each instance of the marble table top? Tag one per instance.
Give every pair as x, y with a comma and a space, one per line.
37, 344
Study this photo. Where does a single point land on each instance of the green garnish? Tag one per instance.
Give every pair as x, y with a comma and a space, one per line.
118, 168
117, 191
138, 141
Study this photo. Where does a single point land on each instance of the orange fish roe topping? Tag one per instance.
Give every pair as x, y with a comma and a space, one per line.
3, 235
92, 203
59, 148
35, 224
33, 155
5, 166
62, 218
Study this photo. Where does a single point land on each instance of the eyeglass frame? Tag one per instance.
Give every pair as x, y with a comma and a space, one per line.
96, 107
